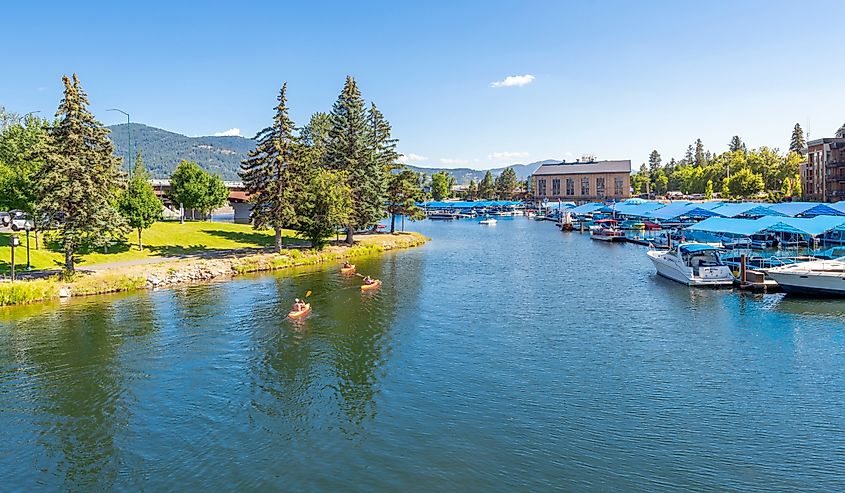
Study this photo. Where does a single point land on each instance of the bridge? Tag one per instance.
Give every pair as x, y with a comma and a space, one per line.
238, 198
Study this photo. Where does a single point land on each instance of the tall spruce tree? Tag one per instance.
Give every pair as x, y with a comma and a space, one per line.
654, 161
266, 173
797, 143
736, 144
506, 184
700, 159
80, 178
689, 157
472, 190
350, 150
487, 186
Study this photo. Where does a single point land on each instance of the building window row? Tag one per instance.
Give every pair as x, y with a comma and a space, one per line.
586, 183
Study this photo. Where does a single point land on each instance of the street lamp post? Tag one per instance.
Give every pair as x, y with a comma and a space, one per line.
23, 118
13, 242
129, 134
28, 228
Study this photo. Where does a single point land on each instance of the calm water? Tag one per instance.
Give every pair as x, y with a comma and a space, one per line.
500, 358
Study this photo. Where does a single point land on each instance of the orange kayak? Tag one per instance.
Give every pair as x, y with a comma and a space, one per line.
369, 287
301, 313
347, 270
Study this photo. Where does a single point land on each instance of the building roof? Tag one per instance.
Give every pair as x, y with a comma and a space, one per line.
623, 166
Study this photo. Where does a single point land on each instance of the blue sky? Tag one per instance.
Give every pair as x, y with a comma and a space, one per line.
615, 79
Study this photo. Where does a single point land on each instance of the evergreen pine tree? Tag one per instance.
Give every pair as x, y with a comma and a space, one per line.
266, 174
700, 159
506, 184
350, 150
654, 161
689, 157
315, 136
139, 203
736, 144
487, 187
79, 180
797, 144
472, 190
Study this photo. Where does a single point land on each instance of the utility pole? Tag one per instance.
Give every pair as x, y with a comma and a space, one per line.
129, 134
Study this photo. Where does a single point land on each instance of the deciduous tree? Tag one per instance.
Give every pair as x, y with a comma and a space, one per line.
324, 205
138, 203
402, 197
440, 185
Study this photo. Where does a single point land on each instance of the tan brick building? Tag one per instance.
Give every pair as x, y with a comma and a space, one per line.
583, 182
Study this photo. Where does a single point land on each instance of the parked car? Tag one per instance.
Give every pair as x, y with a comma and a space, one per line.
5, 218
21, 221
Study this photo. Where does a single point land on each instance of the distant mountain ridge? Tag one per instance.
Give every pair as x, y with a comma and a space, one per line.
163, 150
464, 175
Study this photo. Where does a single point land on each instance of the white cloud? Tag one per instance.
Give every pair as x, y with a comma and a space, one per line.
232, 132
507, 155
411, 158
447, 160
514, 81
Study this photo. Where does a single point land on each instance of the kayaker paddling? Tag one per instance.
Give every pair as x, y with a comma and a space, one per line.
370, 283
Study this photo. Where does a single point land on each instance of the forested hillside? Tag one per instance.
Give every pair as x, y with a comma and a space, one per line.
163, 150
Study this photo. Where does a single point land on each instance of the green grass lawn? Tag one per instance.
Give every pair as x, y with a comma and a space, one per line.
163, 239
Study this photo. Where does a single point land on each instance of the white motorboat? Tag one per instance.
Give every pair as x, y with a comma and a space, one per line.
606, 230
488, 221
693, 264
825, 277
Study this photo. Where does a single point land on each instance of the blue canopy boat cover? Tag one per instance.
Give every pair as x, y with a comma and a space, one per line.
805, 209
684, 209
811, 226
746, 209
589, 208
696, 247
734, 227
637, 210
560, 205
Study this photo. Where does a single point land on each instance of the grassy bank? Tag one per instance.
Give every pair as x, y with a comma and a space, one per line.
168, 272
162, 240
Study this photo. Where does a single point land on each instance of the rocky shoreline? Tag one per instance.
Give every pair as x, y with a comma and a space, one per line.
184, 271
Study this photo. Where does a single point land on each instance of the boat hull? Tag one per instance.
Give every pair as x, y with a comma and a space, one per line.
810, 284
347, 270
671, 271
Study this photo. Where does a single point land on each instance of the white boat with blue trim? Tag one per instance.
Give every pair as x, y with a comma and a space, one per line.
693, 264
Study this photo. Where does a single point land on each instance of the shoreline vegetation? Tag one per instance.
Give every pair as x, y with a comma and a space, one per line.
152, 273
